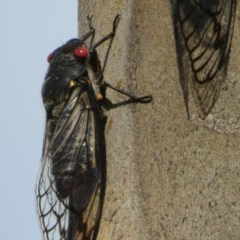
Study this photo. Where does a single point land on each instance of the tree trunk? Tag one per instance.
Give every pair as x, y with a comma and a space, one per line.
167, 177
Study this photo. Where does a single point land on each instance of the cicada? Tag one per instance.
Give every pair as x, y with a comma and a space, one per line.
203, 32
72, 180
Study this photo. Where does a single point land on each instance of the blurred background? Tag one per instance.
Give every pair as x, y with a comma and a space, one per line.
30, 30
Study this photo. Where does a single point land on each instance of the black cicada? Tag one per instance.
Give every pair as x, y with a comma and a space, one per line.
71, 186
203, 32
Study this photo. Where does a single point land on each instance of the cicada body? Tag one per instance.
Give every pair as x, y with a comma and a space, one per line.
203, 32
71, 184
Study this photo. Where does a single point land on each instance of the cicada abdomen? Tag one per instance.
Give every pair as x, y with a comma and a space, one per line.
203, 33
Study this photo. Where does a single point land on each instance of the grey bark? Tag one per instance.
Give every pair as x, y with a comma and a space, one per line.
168, 177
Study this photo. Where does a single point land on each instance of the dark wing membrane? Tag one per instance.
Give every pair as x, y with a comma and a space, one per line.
71, 182
203, 32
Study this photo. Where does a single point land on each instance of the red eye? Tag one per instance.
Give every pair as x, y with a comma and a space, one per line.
50, 57
81, 52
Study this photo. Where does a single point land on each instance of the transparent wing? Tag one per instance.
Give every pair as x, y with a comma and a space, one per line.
71, 182
203, 31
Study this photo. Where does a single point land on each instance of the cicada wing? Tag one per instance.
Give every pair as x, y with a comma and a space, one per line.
203, 32
52, 212
71, 183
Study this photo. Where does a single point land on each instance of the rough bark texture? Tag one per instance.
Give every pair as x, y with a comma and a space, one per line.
168, 177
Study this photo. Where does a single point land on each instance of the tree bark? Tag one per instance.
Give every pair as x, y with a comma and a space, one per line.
167, 177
